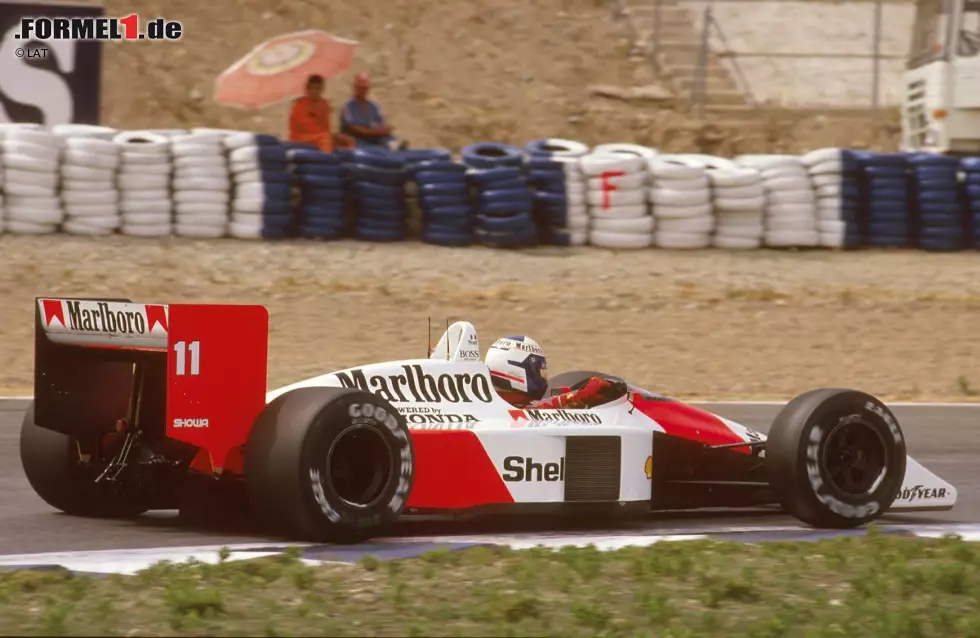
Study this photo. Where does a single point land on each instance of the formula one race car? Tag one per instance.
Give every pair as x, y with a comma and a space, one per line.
135, 402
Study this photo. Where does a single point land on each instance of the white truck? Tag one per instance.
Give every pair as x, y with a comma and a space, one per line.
941, 106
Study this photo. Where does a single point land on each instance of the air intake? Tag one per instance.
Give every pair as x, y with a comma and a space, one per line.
592, 468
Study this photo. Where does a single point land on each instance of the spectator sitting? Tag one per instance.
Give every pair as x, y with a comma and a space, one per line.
309, 119
362, 120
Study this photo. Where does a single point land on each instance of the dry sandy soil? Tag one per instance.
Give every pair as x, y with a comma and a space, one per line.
701, 324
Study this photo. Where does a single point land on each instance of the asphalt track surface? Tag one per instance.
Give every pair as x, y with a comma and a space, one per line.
944, 438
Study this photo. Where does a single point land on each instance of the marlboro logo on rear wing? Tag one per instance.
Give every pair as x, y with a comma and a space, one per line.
104, 323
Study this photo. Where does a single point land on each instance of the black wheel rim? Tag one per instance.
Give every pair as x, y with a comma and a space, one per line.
855, 458
359, 466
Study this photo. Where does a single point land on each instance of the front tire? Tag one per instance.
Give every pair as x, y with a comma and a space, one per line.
56, 470
329, 464
836, 458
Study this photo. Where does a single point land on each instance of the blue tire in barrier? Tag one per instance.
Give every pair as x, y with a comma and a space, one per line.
509, 195
377, 175
378, 191
484, 178
458, 189
439, 177
420, 155
526, 238
441, 166
441, 237
512, 224
491, 155
503, 208
318, 170
379, 158
313, 157
439, 201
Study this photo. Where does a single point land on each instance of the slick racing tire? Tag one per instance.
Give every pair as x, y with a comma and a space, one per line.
329, 464
836, 458
54, 468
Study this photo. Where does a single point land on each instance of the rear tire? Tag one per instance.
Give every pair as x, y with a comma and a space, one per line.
329, 464
55, 470
836, 458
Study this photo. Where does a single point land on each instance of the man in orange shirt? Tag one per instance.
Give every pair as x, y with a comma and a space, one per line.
309, 119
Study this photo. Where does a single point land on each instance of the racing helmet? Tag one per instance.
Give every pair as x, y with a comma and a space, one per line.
519, 368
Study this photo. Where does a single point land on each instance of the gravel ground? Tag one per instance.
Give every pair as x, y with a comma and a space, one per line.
693, 324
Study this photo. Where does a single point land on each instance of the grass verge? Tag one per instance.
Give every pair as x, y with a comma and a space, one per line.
869, 586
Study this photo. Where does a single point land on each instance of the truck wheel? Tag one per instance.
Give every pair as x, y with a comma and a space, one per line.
329, 464
836, 458
59, 475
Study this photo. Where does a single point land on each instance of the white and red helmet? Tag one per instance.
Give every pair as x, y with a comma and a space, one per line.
519, 368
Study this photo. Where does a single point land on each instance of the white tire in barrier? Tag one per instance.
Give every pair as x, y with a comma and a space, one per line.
605, 239
830, 179
146, 230
832, 226
245, 154
202, 172
685, 241
724, 204
88, 185
691, 225
634, 150
734, 242
789, 184
78, 227
30, 135
146, 207
635, 180
798, 171
752, 191
828, 214
790, 223
741, 218
29, 228
643, 225
578, 237
105, 222
253, 176
604, 200
693, 184
239, 140
681, 212
135, 182
90, 197
669, 197
146, 219
206, 137
789, 238
827, 168
92, 210
89, 131
77, 171
201, 197
707, 161
91, 145
105, 161
575, 198
621, 212
792, 197
33, 215
143, 142
200, 231
248, 166
740, 231
196, 149
49, 201
661, 168
573, 210
248, 204
244, 230
822, 155
39, 151
32, 178
128, 170
596, 165
212, 209
29, 163
578, 222
144, 195
135, 158
28, 190
734, 178
768, 162
203, 220
800, 210
182, 163
832, 190
255, 190
830, 203
565, 148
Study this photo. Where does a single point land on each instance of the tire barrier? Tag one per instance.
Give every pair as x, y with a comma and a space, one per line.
143, 182
790, 212
321, 210
835, 176
443, 194
559, 186
209, 183
31, 160
378, 180
934, 187
971, 198
201, 187
261, 206
504, 215
680, 194
616, 195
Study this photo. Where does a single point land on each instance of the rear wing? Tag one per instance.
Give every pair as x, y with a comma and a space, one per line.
194, 373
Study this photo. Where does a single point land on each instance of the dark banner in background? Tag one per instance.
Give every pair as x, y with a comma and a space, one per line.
61, 87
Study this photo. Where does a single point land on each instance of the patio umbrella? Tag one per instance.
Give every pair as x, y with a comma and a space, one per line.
277, 69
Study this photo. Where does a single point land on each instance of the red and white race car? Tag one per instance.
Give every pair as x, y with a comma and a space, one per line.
134, 403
